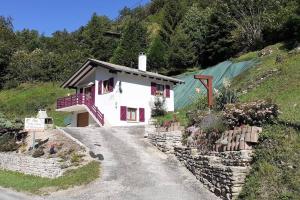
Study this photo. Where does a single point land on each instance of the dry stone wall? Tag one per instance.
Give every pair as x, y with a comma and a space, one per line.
165, 141
223, 173
43, 167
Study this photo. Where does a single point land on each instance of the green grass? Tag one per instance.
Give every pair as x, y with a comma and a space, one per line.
282, 87
275, 173
38, 185
25, 100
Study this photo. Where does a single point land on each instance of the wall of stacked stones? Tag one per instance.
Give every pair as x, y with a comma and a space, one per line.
50, 168
223, 173
165, 141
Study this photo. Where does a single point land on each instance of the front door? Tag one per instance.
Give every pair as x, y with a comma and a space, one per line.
82, 119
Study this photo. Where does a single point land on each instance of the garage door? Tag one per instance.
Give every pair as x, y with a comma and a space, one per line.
83, 119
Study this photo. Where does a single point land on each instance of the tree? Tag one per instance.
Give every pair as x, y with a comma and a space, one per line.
196, 24
7, 45
219, 44
93, 39
28, 39
133, 42
173, 13
182, 52
251, 17
157, 55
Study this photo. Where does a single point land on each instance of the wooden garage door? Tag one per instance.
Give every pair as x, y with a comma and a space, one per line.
83, 119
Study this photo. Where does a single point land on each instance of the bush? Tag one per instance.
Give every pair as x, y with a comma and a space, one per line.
9, 132
206, 128
253, 113
226, 95
158, 108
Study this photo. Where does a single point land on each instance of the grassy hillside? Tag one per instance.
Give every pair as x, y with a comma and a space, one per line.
278, 81
276, 170
25, 100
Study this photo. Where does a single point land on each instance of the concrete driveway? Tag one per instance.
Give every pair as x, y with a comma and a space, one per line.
132, 169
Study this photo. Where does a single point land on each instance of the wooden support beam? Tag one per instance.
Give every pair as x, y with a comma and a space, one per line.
208, 86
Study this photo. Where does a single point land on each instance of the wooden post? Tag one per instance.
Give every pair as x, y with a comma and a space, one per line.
208, 86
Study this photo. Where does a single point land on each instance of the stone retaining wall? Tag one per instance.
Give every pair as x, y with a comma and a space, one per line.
165, 141
43, 167
223, 173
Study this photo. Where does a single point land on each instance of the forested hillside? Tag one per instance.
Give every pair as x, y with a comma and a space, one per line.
175, 34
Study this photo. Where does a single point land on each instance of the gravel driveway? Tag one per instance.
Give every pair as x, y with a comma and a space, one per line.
132, 169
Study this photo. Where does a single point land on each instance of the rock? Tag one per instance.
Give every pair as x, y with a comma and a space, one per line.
38, 153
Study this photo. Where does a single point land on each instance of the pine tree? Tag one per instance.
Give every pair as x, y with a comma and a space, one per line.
157, 55
133, 42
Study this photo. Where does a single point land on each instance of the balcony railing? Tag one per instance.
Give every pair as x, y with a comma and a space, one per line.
80, 99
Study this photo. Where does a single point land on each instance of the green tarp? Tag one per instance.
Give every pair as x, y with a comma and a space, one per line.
185, 94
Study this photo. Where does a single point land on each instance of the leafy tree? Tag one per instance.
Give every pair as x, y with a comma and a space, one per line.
7, 45
31, 66
28, 39
251, 17
133, 41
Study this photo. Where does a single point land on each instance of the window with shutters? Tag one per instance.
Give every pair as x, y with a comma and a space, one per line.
131, 114
105, 87
159, 90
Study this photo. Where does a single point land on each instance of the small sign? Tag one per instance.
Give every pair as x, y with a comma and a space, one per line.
34, 124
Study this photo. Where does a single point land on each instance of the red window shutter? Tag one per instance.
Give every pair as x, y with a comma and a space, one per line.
167, 91
153, 88
99, 87
142, 114
111, 85
123, 113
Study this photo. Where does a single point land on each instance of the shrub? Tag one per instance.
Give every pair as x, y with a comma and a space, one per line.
253, 113
226, 95
9, 132
76, 158
158, 108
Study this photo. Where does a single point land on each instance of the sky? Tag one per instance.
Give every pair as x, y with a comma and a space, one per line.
48, 16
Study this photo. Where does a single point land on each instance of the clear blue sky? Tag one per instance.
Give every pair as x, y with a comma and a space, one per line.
48, 16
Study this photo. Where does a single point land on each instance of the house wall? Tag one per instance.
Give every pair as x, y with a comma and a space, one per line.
132, 91
136, 93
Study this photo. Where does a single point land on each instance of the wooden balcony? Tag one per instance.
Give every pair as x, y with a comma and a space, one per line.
80, 99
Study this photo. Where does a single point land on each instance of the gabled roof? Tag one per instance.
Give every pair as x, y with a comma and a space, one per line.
90, 64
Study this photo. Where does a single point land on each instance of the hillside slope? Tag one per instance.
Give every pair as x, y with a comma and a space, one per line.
26, 99
278, 81
276, 171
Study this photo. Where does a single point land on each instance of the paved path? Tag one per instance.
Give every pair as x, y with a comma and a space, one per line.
131, 170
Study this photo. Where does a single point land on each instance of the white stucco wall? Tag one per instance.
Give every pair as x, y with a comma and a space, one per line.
136, 93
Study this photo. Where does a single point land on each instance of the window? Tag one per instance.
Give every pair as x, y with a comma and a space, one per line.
131, 114
105, 86
159, 90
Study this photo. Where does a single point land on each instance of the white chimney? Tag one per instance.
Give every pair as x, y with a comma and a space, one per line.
142, 62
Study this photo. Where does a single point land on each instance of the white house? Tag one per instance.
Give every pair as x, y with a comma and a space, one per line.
113, 95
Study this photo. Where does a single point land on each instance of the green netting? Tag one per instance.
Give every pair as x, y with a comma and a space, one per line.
185, 94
